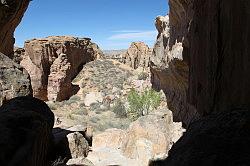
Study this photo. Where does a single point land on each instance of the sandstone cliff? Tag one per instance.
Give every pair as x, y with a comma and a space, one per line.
216, 49
11, 13
169, 67
54, 62
137, 55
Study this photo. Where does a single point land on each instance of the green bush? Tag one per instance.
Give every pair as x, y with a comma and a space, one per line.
119, 109
142, 104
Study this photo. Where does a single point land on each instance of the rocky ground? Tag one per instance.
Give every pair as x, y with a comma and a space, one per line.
100, 106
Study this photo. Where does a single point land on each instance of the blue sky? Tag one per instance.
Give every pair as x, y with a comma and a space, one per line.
112, 24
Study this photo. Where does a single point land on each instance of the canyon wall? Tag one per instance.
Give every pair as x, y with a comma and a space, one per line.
219, 56
217, 53
169, 63
11, 13
14, 79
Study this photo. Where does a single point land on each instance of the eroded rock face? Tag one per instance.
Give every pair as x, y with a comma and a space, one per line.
219, 79
137, 55
54, 62
218, 86
168, 66
14, 80
11, 13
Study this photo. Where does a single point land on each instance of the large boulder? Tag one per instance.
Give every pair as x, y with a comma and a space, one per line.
137, 55
54, 62
14, 80
150, 136
147, 138
25, 125
11, 13
78, 145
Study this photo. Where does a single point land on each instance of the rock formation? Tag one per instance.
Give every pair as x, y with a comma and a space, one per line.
168, 66
11, 13
54, 62
150, 136
25, 124
219, 139
218, 83
14, 80
137, 55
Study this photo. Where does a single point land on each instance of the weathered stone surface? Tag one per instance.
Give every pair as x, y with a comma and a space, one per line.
111, 138
78, 145
219, 139
169, 66
137, 55
218, 86
149, 137
59, 81
18, 55
11, 13
93, 97
14, 80
219, 56
54, 62
80, 162
25, 126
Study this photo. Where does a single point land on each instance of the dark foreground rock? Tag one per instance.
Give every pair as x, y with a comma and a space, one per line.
219, 139
11, 13
25, 126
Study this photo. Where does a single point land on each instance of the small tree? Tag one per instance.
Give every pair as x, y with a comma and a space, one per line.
142, 104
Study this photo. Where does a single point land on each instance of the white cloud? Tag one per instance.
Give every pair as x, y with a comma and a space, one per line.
134, 35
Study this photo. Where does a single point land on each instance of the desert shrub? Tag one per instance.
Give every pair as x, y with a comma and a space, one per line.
70, 116
119, 109
75, 98
95, 107
80, 111
143, 76
142, 104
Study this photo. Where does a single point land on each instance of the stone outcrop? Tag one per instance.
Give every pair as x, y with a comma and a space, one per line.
14, 80
11, 13
218, 85
54, 62
25, 124
219, 79
138, 55
148, 137
169, 66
